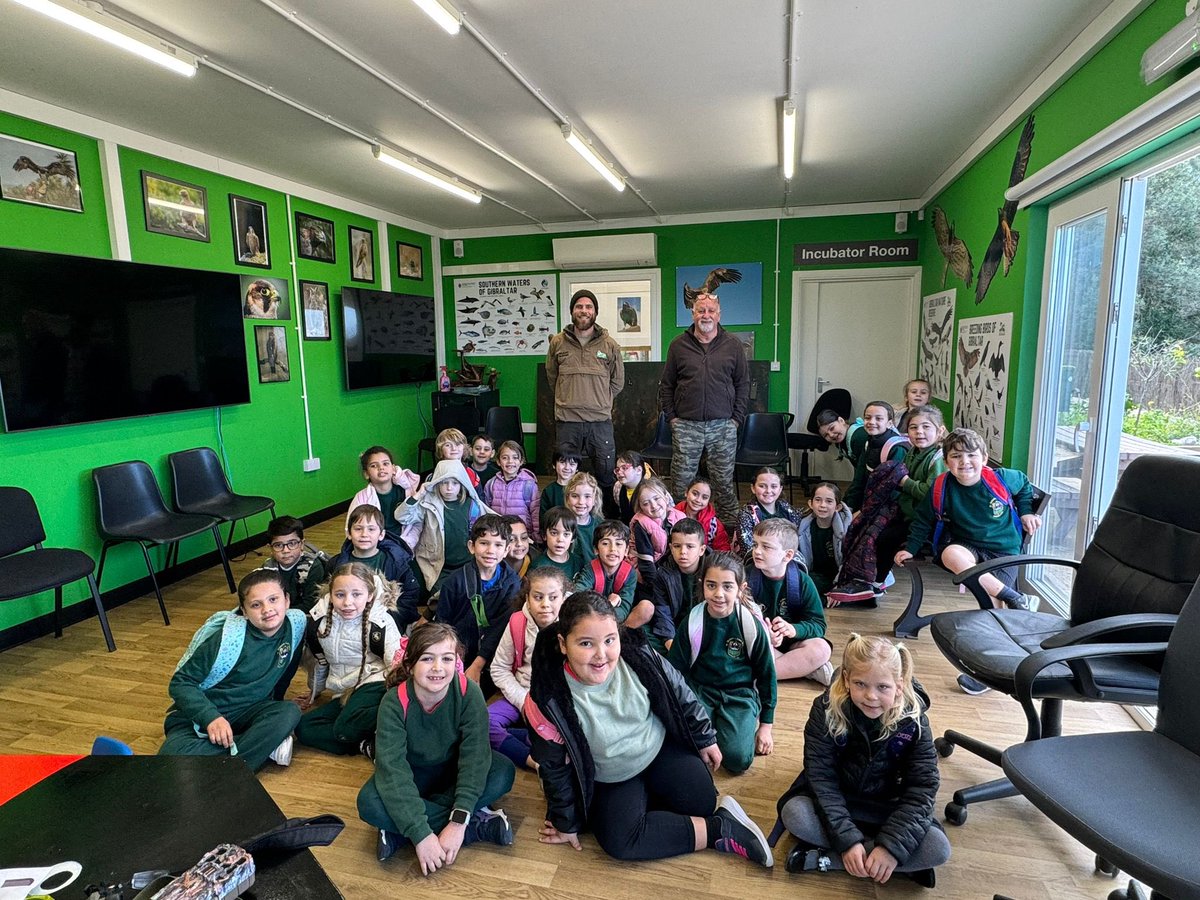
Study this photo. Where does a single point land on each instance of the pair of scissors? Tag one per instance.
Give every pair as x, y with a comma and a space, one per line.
20, 884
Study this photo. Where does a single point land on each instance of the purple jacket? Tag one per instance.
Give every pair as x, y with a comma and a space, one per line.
519, 497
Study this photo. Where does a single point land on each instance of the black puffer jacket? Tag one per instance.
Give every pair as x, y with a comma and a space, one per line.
885, 789
565, 761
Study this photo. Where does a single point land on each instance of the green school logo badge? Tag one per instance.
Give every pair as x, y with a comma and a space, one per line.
998, 508
283, 653
735, 648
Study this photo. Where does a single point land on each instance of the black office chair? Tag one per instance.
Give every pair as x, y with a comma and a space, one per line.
764, 443
910, 621
451, 415
661, 449
1129, 586
1131, 796
810, 440
503, 423
130, 508
40, 568
200, 487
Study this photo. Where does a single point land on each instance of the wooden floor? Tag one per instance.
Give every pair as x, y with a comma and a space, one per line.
57, 695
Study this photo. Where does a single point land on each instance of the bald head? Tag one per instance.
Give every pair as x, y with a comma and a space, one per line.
706, 313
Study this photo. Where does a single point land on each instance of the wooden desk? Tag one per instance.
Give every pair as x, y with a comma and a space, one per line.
116, 815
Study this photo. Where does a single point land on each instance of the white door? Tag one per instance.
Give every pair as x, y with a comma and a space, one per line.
854, 329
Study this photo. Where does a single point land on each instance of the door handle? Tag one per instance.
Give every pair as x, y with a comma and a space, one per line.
821, 382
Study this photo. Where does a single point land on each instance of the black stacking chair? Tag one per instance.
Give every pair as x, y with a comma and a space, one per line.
130, 508
1131, 796
764, 443
200, 487
1129, 587
40, 568
503, 423
660, 451
810, 440
452, 415
910, 621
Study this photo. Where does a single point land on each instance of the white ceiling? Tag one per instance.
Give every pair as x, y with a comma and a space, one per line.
683, 95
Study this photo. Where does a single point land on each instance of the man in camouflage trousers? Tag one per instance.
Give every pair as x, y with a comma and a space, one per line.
704, 392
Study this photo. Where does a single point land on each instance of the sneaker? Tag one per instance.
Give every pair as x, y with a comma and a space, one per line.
282, 755
489, 825
803, 858
854, 590
385, 847
924, 877
367, 748
1023, 601
823, 674
970, 685
739, 834
888, 581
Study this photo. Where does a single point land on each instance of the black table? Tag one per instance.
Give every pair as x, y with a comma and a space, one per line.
116, 815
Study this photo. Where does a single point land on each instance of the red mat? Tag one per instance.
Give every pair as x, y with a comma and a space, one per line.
18, 773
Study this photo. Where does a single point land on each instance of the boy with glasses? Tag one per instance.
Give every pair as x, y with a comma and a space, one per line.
302, 567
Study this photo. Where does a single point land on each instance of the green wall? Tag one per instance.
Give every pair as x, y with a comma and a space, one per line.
1102, 91
264, 441
678, 245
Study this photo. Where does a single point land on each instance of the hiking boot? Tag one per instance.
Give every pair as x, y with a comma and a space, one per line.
739, 834
851, 592
1023, 601
490, 826
282, 755
969, 685
385, 847
823, 674
367, 748
803, 858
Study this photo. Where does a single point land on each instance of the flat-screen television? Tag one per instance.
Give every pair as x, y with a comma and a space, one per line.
87, 340
390, 338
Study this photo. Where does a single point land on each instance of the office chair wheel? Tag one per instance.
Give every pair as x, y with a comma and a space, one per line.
944, 747
1104, 867
956, 813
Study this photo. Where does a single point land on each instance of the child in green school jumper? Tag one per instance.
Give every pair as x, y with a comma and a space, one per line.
558, 529
610, 574
724, 653
435, 771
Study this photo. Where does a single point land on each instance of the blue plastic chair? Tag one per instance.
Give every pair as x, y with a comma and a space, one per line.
106, 746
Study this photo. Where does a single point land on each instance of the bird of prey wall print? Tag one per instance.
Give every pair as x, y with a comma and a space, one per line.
957, 256
715, 279
1003, 246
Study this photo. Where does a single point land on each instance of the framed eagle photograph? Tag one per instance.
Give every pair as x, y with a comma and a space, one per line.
175, 208
250, 245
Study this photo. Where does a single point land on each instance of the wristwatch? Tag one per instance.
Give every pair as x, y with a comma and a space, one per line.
460, 816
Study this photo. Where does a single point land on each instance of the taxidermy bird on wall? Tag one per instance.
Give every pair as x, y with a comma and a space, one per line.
715, 279
957, 256
1004, 242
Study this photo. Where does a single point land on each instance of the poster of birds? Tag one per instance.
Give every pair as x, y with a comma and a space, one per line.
937, 341
738, 287
505, 315
981, 379
1003, 246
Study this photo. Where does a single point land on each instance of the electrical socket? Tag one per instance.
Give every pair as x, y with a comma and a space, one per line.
775, 365
312, 464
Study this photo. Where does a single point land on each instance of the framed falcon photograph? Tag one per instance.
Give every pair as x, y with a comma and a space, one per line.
175, 208
250, 245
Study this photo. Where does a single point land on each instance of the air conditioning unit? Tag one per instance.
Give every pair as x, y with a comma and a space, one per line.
607, 251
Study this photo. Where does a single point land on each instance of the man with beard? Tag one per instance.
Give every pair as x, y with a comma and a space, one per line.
704, 392
585, 371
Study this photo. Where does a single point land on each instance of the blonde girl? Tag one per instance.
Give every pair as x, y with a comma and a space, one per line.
650, 526
435, 775
352, 636
583, 498
864, 802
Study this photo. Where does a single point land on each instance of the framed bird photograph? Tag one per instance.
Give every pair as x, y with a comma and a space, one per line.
39, 174
410, 261
314, 238
264, 298
314, 300
270, 349
175, 208
362, 255
250, 245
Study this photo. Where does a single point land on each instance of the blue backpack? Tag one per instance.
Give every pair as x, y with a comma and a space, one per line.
233, 635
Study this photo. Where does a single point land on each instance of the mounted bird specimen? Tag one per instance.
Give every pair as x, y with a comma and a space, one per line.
957, 256
1004, 242
715, 279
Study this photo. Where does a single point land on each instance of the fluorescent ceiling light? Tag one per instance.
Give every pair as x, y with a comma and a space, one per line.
426, 174
789, 139
128, 37
443, 13
594, 160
